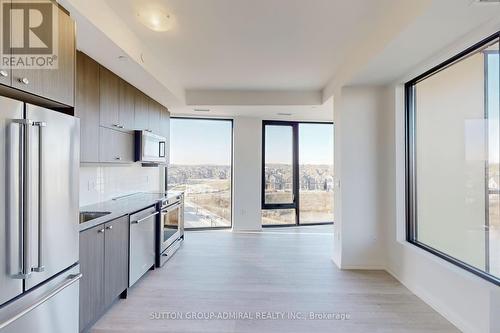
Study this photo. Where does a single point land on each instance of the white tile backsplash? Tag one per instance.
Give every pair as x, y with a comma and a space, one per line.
101, 183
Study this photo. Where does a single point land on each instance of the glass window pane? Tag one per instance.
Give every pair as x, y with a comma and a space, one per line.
493, 172
278, 164
200, 159
316, 173
278, 216
457, 160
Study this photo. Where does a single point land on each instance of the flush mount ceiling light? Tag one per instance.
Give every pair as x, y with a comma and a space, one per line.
156, 19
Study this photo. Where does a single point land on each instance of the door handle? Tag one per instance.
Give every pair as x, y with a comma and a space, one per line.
145, 218
171, 208
24, 80
24, 198
44, 298
40, 267
14, 163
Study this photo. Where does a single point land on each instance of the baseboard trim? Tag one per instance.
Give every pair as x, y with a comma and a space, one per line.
435, 304
363, 267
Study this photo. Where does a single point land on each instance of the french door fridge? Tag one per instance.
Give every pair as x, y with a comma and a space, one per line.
39, 181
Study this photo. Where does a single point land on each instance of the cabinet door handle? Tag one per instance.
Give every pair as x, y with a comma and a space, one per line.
109, 227
24, 80
101, 231
4, 73
118, 158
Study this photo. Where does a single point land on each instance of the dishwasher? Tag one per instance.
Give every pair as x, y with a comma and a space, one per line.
142, 243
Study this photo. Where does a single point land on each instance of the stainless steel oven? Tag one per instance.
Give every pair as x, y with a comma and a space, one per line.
170, 228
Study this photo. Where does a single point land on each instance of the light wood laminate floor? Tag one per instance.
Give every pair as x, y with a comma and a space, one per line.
284, 271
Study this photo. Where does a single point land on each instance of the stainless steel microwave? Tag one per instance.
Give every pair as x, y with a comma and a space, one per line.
150, 148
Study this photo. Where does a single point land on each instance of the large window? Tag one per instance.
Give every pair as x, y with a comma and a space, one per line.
453, 164
201, 166
297, 175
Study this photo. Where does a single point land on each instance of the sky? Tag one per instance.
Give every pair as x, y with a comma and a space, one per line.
315, 144
208, 142
196, 142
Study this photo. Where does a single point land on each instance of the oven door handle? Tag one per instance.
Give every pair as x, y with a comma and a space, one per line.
144, 218
171, 208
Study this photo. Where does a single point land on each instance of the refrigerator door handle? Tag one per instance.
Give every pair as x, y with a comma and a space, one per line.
71, 279
24, 198
40, 267
15, 199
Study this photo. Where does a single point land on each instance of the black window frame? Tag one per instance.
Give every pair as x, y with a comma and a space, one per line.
296, 181
410, 162
232, 170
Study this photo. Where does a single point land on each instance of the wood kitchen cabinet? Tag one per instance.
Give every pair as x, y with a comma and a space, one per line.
148, 113
154, 116
54, 84
115, 146
116, 101
104, 265
92, 281
87, 107
110, 109
5, 72
115, 259
141, 111
165, 123
165, 129
127, 105
109, 99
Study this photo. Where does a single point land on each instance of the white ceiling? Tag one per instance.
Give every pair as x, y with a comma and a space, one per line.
254, 57
443, 22
252, 44
322, 112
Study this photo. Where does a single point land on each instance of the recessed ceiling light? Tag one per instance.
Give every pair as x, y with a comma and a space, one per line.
201, 110
156, 19
283, 114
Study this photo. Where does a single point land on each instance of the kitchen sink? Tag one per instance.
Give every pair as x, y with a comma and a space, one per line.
89, 216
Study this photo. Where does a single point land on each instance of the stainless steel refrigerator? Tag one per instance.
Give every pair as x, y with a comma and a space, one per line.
39, 181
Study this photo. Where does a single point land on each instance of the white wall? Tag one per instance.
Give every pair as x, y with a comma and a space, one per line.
359, 234
370, 211
466, 300
247, 165
101, 183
